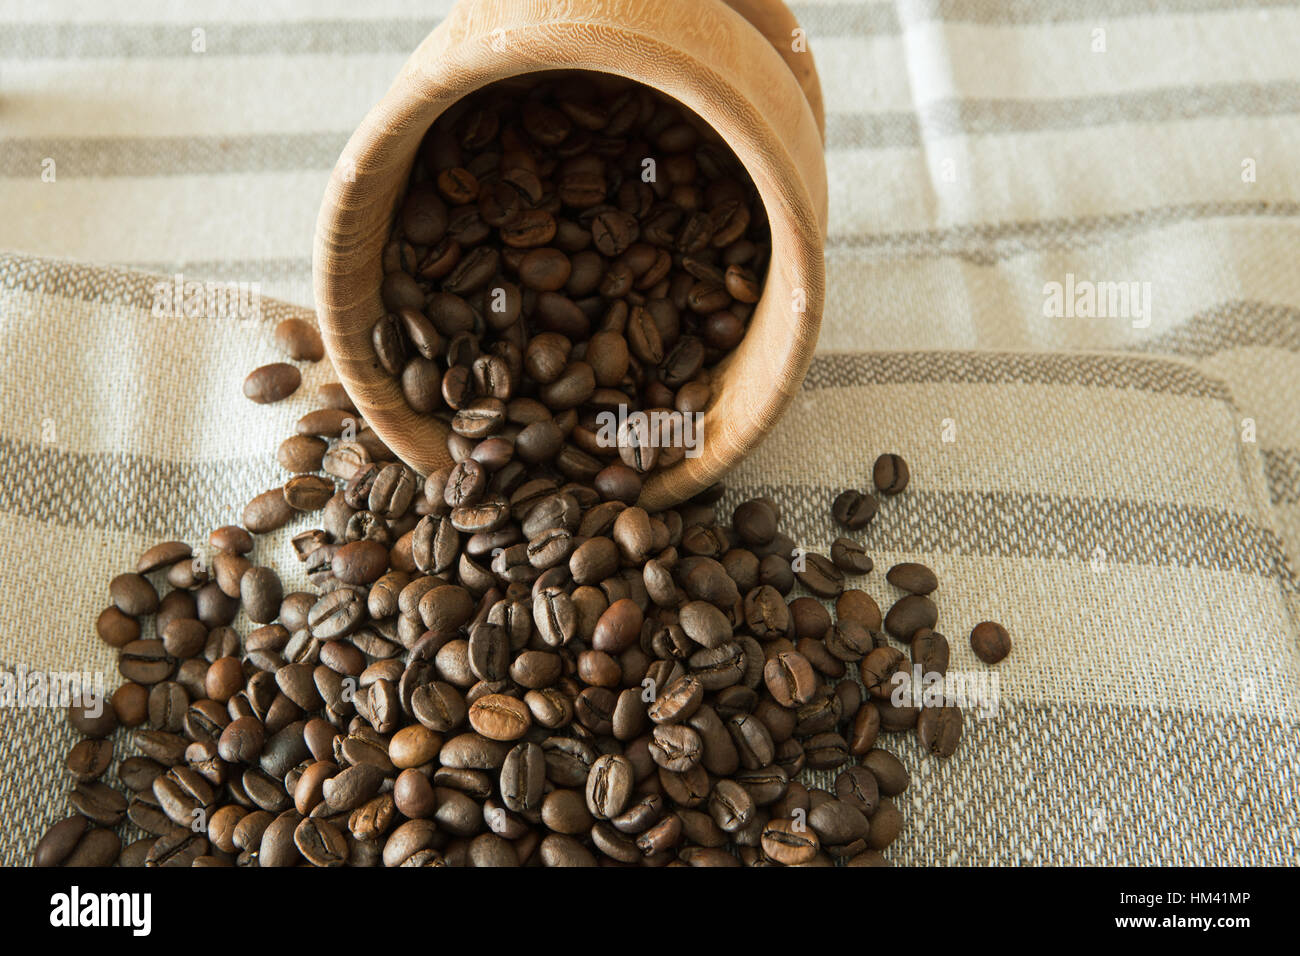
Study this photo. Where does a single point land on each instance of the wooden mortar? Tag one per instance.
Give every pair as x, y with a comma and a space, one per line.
733, 63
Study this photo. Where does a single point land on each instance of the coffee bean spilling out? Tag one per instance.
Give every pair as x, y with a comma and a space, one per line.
502, 667
566, 248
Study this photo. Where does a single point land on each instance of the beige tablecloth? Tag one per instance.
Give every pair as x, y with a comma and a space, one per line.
1122, 492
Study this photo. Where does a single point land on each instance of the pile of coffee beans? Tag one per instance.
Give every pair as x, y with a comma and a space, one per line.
500, 667
567, 247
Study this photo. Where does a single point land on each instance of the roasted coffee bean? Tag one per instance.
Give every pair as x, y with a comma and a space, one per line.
860, 608
133, 594
820, 576
825, 751
308, 492
890, 474
523, 777
320, 842
909, 615
145, 662
267, 512
261, 593
854, 510
336, 614
914, 578
88, 760
299, 340
939, 729
930, 651
677, 702
272, 383
788, 843
886, 823
888, 770
857, 786
878, 670
609, 786
990, 641
98, 802
849, 556
790, 679
302, 453
499, 717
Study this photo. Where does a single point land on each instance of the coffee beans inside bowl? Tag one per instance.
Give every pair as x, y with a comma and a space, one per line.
571, 250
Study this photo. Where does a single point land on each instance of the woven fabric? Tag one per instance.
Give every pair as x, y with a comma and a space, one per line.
1122, 492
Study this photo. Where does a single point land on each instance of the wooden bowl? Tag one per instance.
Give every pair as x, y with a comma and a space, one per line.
761, 95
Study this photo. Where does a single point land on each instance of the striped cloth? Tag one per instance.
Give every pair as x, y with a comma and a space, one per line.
1123, 493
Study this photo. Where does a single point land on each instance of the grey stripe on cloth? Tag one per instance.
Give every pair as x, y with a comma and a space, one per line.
33, 791
987, 243
971, 117
1282, 468
1058, 528
19, 41
104, 156
120, 492
1073, 783
1103, 370
1236, 323
343, 36
1084, 783
110, 285
114, 491
280, 152
1034, 12
282, 269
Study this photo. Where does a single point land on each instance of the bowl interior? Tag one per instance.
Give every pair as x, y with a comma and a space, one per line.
751, 387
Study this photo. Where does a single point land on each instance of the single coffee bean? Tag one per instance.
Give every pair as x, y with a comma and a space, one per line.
499, 717
854, 510
888, 770
267, 512
790, 679
789, 843
59, 841
272, 383
320, 842
990, 641
133, 594
89, 759
163, 555
308, 492
300, 340
301, 453
930, 651
890, 474
939, 729
145, 662
912, 613
820, 576
609, 786
913, 578
850, 557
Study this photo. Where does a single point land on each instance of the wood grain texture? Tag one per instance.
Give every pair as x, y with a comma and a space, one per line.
700, 52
